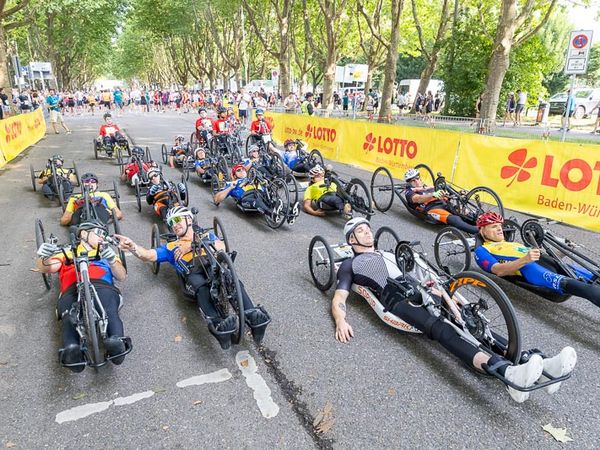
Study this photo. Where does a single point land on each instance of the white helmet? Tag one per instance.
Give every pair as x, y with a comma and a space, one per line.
316, 170
352, 224
178, 211
410, 174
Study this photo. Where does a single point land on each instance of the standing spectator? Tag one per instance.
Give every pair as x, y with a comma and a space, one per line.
510, 108
290, 103
35, 100
521, 101
336, 100
308, 106
259, 101
478, 106
429, 103
345, 102
53, 103
118, 99
370, 106
597, 124
24, 102
105, 99
243, 106
565, 120
3, 104
437, 102
401, 101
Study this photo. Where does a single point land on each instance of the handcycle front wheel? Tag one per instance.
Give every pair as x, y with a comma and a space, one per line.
483, 199
33, 178
148, 154
165, 154
382, 189
278, 197
138, 196
316, 157
219, 231
452, 251
95, 144
488, 313
426, 174
231, 292
117, 194
386, 239
40, 238
91, 329
321, 263
154, 244
360, 198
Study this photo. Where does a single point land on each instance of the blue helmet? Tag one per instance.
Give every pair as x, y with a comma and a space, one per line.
260, 111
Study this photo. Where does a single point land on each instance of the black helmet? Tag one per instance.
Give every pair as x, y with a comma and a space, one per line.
200, 110
221, 110
89, 176
90, 225
138, 151
58, 160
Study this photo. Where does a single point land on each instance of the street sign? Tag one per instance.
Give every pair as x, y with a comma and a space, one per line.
578, 53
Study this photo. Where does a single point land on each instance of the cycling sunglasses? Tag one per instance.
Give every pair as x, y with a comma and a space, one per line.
90, 180
172, 221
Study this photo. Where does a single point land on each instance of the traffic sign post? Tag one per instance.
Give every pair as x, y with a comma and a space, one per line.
578, 55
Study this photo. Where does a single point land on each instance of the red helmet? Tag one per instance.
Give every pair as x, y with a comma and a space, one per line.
289, 142
489, 218
235, 168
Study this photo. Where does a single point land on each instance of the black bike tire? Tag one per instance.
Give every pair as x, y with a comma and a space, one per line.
90, 327
329, 282
466, 265
369, 212
117, 227
40, 238
489, 191
117, 194
426, 168
164, 153
186, 202
138, 196
148, 154
219, 230
290, 180
95, 144
513, 352
61, 196
285, 201
155, 243
384, 206
248, 140
237, 303
320, 159
33, 178
378, 235
76, 172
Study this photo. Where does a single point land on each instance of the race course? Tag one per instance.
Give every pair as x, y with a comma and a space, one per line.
384, 389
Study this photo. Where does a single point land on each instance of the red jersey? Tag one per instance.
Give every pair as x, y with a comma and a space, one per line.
260, 126
109, 130
221, 126
204, 124
133, 168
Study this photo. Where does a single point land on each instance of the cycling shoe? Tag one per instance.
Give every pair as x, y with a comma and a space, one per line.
559, 365
72, 354
222, 329
258, 319
114, 345
524, 375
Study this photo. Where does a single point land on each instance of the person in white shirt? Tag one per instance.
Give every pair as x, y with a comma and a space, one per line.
243, 106
521, 101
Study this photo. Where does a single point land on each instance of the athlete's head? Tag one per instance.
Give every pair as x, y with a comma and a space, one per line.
92, 232
179, 139
290, 145
222, 112
107, 118
57, 160
200, 153
413, 178
138, 151
90, 181
316, 173
490, 226
260, 114
154, 175
238, 171
202, 112
358, 233
179, 219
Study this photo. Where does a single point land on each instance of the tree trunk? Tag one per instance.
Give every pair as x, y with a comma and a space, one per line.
426, 74
329, 79
4, 77
368, 84
385, 111
499, 61
284, 75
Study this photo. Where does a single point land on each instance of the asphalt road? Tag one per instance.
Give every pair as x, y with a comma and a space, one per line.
383, 390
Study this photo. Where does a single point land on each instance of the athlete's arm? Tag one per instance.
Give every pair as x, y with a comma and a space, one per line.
343, 330
222, 195
48, 265
510, 267
125, 243
310, 210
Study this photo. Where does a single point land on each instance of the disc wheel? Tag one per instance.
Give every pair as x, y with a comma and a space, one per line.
40, 238
426, 174
482, 199
488, 313
316, 158
155, 243
230, 293
360, 198
219, 231
452, 251
382, 189
138, 196
33, 178
164, 153
386, 239
321, 263
532, 233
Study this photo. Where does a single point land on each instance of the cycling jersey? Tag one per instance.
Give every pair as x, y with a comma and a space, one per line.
426, 206
134, 168
316, 190
221, 126
291, 158
261, 127
200, 163
370, 270
204, 123
239, 191
60, 171
166, 253
99, 269
109, 130
97, 198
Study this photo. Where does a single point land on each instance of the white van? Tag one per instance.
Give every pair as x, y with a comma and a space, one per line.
257, 85
412, 86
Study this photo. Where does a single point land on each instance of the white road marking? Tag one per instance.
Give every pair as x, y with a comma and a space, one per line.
213, 377
262, 394
79, 412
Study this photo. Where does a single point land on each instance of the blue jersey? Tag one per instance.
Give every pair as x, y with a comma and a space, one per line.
291, 158
239, 191
200, 163
52, 102
166, 253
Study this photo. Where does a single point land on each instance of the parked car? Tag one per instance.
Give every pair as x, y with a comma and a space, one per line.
585, 100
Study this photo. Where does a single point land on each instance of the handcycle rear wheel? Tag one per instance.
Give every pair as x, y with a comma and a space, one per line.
386, 239
426, 174
33, 178
219, 231
165, 154
154, 244
452, 251
360, 198
230, 289
40, 238
321, 263
382, 189
484, 199
489, 312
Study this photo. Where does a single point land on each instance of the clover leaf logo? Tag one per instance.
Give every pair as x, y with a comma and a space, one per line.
369, 142
309, 131
520, 163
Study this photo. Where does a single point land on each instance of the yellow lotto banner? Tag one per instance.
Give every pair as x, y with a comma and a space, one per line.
19, 132
560, 181
370, 145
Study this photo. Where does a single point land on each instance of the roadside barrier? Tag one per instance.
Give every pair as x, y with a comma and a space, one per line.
560, 181
19, 132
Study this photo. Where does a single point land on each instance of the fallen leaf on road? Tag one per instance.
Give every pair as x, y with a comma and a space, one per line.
324, 420
165, 427
178, 338
79, 396
10, 444
244, 363
183, 319
197, 402
159, 390
559, 434
392, 392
